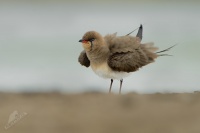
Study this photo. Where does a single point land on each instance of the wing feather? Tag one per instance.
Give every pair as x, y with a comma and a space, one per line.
127, 54
133, 60
118, 44
83, 59
129, 61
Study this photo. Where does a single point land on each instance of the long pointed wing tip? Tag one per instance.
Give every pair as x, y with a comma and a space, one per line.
139, 34
141, 26
140, 29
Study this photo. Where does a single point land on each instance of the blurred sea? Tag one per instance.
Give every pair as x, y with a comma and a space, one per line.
39, 44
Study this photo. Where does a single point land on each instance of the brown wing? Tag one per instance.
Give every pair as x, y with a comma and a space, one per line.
118, 44
129, 61
83, 59
128, 54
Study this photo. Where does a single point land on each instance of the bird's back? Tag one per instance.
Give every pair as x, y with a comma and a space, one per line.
118, 44
127, 54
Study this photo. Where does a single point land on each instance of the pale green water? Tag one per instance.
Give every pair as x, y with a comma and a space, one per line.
39, 45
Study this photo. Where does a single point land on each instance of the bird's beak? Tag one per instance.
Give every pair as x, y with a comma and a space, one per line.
83, 41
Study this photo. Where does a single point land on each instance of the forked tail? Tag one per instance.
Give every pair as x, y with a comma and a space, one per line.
150, 51
167, 49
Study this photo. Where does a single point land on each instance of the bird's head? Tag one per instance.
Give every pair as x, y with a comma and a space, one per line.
91, 40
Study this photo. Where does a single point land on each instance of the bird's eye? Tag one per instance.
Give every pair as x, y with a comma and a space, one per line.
92, 39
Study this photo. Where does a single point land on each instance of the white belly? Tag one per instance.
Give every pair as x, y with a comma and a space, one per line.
103, 70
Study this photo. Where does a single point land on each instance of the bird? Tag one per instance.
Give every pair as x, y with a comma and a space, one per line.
116, 57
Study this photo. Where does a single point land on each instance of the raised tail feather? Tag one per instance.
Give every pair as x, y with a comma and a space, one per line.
167, 49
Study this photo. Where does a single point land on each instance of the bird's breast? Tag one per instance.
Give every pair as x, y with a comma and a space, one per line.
104, 71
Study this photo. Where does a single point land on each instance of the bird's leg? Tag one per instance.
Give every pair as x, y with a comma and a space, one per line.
111, 81
121, 81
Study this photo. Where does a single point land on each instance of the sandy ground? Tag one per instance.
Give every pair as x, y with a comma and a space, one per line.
99, 113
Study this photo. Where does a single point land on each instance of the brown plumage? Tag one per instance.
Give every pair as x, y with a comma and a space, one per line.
83, 59
115, 56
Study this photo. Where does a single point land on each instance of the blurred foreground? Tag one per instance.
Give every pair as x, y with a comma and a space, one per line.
97, 113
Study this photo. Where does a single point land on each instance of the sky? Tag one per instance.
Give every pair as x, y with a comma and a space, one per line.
39, 44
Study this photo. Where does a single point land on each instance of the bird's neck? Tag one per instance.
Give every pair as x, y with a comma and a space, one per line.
98, 55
